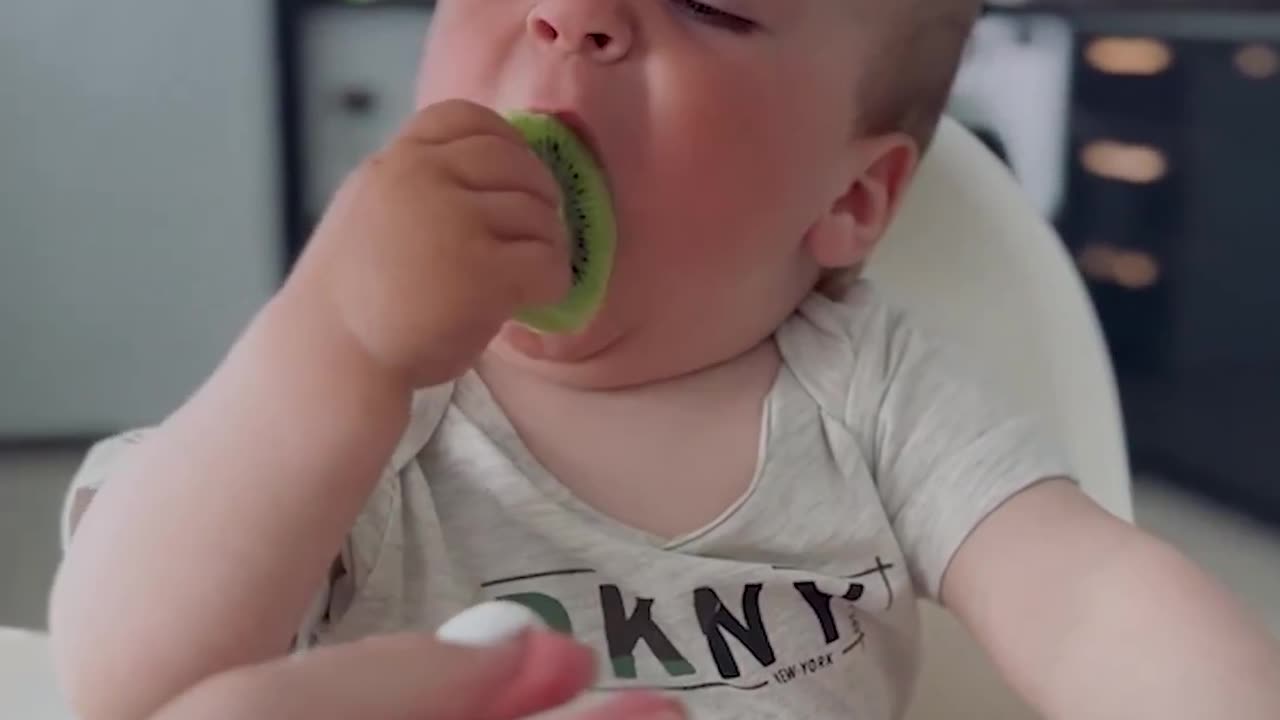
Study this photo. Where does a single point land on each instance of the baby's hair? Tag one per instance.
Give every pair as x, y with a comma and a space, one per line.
910, 83
908, 89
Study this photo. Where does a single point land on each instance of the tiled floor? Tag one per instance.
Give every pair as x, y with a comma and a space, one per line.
1244, 555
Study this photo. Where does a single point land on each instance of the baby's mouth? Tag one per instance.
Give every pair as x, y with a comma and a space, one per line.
575, 122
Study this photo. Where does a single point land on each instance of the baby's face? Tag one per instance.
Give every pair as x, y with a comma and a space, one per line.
725, 128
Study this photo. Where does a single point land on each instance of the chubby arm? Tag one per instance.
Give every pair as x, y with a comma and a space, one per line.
227, 517
207, 553
1089, 617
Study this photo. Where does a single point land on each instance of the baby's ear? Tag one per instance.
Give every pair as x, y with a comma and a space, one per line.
868, 196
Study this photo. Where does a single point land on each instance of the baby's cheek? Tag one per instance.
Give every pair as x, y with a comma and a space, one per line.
435, 86
459, 62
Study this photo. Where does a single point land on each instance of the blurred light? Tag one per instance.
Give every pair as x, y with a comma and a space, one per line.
1129, 56
1130, 269
1138, 164
1095, 261
1135, 271
1258, 61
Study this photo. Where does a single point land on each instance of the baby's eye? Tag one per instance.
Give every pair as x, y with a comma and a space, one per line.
714, 16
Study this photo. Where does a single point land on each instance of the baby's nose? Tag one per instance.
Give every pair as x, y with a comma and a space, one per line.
597, 29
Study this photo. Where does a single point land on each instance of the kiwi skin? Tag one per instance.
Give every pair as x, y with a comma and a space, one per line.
587, 209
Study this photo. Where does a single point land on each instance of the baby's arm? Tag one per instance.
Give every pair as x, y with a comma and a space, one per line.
204, 550
1089, 617
219, 529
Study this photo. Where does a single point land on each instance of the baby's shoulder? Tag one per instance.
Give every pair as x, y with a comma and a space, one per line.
850, 350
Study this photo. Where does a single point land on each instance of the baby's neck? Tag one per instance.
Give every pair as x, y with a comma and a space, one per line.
627, 452
712, 386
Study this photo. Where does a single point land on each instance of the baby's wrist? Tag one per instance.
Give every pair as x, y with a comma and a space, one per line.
303, 332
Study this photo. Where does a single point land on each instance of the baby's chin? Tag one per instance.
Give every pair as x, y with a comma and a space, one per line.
604, 357
518, 339
559, 354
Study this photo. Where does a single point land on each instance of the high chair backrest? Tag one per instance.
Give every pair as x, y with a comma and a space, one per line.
971, 258
28, 688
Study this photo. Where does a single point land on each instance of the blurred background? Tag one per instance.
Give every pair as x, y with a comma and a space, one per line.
161, 164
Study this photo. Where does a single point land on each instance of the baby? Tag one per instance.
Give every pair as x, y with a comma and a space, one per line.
734, 484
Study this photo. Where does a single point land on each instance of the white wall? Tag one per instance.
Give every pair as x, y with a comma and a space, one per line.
138, 203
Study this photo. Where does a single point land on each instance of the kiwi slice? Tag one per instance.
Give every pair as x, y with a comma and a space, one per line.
588, 215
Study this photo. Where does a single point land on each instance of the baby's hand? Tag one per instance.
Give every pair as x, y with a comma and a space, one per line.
436, 241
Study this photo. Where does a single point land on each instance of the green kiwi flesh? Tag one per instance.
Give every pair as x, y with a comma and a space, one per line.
588, 216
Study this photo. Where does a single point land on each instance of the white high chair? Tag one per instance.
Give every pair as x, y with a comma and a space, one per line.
28, 689
971, 258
